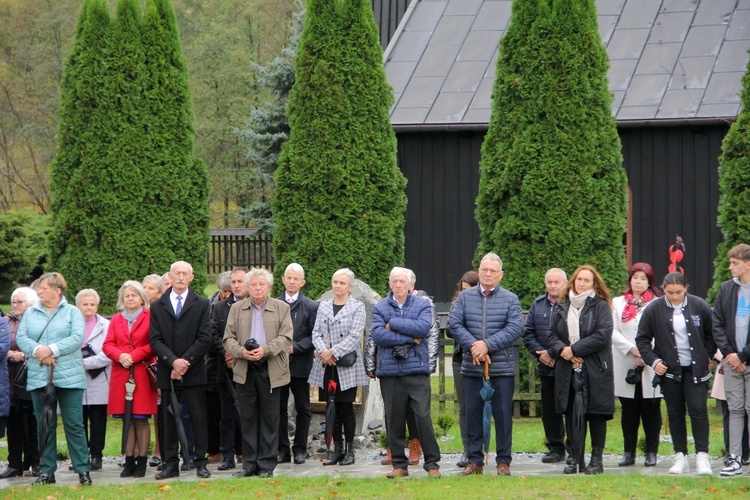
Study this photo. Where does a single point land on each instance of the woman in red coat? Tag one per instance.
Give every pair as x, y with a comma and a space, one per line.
128, 347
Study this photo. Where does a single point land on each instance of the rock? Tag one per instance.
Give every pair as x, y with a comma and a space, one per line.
361, 442
376, 424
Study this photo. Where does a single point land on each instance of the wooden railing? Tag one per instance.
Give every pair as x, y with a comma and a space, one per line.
523, 362
230, 248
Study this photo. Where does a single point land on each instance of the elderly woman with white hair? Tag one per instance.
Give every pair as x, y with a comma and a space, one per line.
153, 286
127, 345
337, 337
96, 363
23, 448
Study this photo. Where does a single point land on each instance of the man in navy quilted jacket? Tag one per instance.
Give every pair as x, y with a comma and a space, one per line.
486, 320
400, 326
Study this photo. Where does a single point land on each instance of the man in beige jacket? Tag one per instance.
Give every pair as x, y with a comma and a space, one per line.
259, 370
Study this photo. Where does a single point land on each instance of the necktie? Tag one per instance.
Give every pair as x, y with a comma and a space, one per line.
179, 306
487, 293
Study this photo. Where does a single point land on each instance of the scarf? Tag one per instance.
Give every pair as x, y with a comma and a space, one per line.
632, 304
574, 313
131, 317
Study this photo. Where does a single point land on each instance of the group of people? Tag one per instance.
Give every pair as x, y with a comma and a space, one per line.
155, 359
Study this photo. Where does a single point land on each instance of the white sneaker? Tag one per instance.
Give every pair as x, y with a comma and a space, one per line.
733, 467
703, 464
680, 464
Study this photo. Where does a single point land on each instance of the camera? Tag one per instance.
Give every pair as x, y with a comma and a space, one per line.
251, 344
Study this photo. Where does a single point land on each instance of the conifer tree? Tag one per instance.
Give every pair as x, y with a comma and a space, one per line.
553, 192
734, 189
339, 199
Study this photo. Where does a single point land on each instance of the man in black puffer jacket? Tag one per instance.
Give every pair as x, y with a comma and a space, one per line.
486, 320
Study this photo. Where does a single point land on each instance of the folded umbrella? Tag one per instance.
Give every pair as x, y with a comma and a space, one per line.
49, 398
128, 415
176, 409
330, 412
486, 392
580, 402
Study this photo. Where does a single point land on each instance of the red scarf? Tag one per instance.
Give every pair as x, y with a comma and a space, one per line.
632, 304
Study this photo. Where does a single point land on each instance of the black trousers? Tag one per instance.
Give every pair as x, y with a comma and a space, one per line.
554, 427
678, 396
400, 394
259, 420
300, 389
597, 427
230, 437
194, 399
95, 425
636, 410
213, 418
22, 436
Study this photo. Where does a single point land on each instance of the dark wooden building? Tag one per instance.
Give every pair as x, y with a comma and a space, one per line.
676, 70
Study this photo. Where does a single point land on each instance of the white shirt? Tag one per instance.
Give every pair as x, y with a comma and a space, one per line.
173, 298
291, 298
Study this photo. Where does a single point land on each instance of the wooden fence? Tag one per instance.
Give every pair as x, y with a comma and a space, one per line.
528, 365
230, 248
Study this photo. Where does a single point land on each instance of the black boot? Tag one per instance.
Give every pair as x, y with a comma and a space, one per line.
571, 468
349, 457
140, 466
595, 466
129, 467
628, 458
338, 454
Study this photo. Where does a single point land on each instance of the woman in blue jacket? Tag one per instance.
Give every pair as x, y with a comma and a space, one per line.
50, 334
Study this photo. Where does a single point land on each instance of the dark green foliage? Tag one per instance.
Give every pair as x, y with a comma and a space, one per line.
23, 248
734, 189
552, 190
339, 199
129, 196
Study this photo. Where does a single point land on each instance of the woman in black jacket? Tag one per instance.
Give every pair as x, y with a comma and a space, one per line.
680, 326
581, 333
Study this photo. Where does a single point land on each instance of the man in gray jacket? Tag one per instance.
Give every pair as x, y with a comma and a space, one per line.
486, 320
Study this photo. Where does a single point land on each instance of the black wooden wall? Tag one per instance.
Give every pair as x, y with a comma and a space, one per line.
388, 14
673, 176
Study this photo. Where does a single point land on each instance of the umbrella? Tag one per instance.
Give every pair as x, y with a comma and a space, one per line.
330, 411
49, 398
129, 390
176, 409
578, 427
487, 392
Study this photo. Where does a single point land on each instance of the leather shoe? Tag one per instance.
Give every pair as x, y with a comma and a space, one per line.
227, 464
10, 472
154, 461
95, 463
169, 471
472, 469
397, 473
552, 458
650, 460
36, 470
463, 462
265, 473
245, 473
299, 458
202, 472
627, 459
569, 460
215, 458
186, 466
44, 479
503, 469
283, 458
434, 473
84, 478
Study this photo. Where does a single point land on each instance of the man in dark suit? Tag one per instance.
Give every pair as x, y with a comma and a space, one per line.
303, 311
180, 337
227, 424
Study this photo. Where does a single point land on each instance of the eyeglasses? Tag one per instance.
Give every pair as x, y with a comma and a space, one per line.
489, 271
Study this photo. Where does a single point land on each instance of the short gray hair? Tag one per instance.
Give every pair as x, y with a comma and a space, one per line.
346, 271
295, 268
257, 272
171, 268
402, 271
492, 256
153, 278
135, 286
87, 292
224, 281
28, 294
555, 270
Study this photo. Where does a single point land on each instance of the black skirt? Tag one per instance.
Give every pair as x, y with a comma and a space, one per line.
347, 396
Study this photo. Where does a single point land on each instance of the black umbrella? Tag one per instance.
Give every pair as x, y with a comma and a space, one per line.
49, 398
330, 411
578, 427
486, 392
176, 408
129, 390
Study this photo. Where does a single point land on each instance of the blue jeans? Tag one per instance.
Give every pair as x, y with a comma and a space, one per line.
502, 412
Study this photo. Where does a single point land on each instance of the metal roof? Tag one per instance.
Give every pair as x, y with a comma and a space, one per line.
670, 60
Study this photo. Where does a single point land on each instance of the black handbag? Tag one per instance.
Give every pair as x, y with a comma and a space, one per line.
633, 376
86, 352
347, 360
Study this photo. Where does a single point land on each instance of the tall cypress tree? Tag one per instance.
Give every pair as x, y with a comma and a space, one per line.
553, 192
734, 188
135, 198
339, 199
